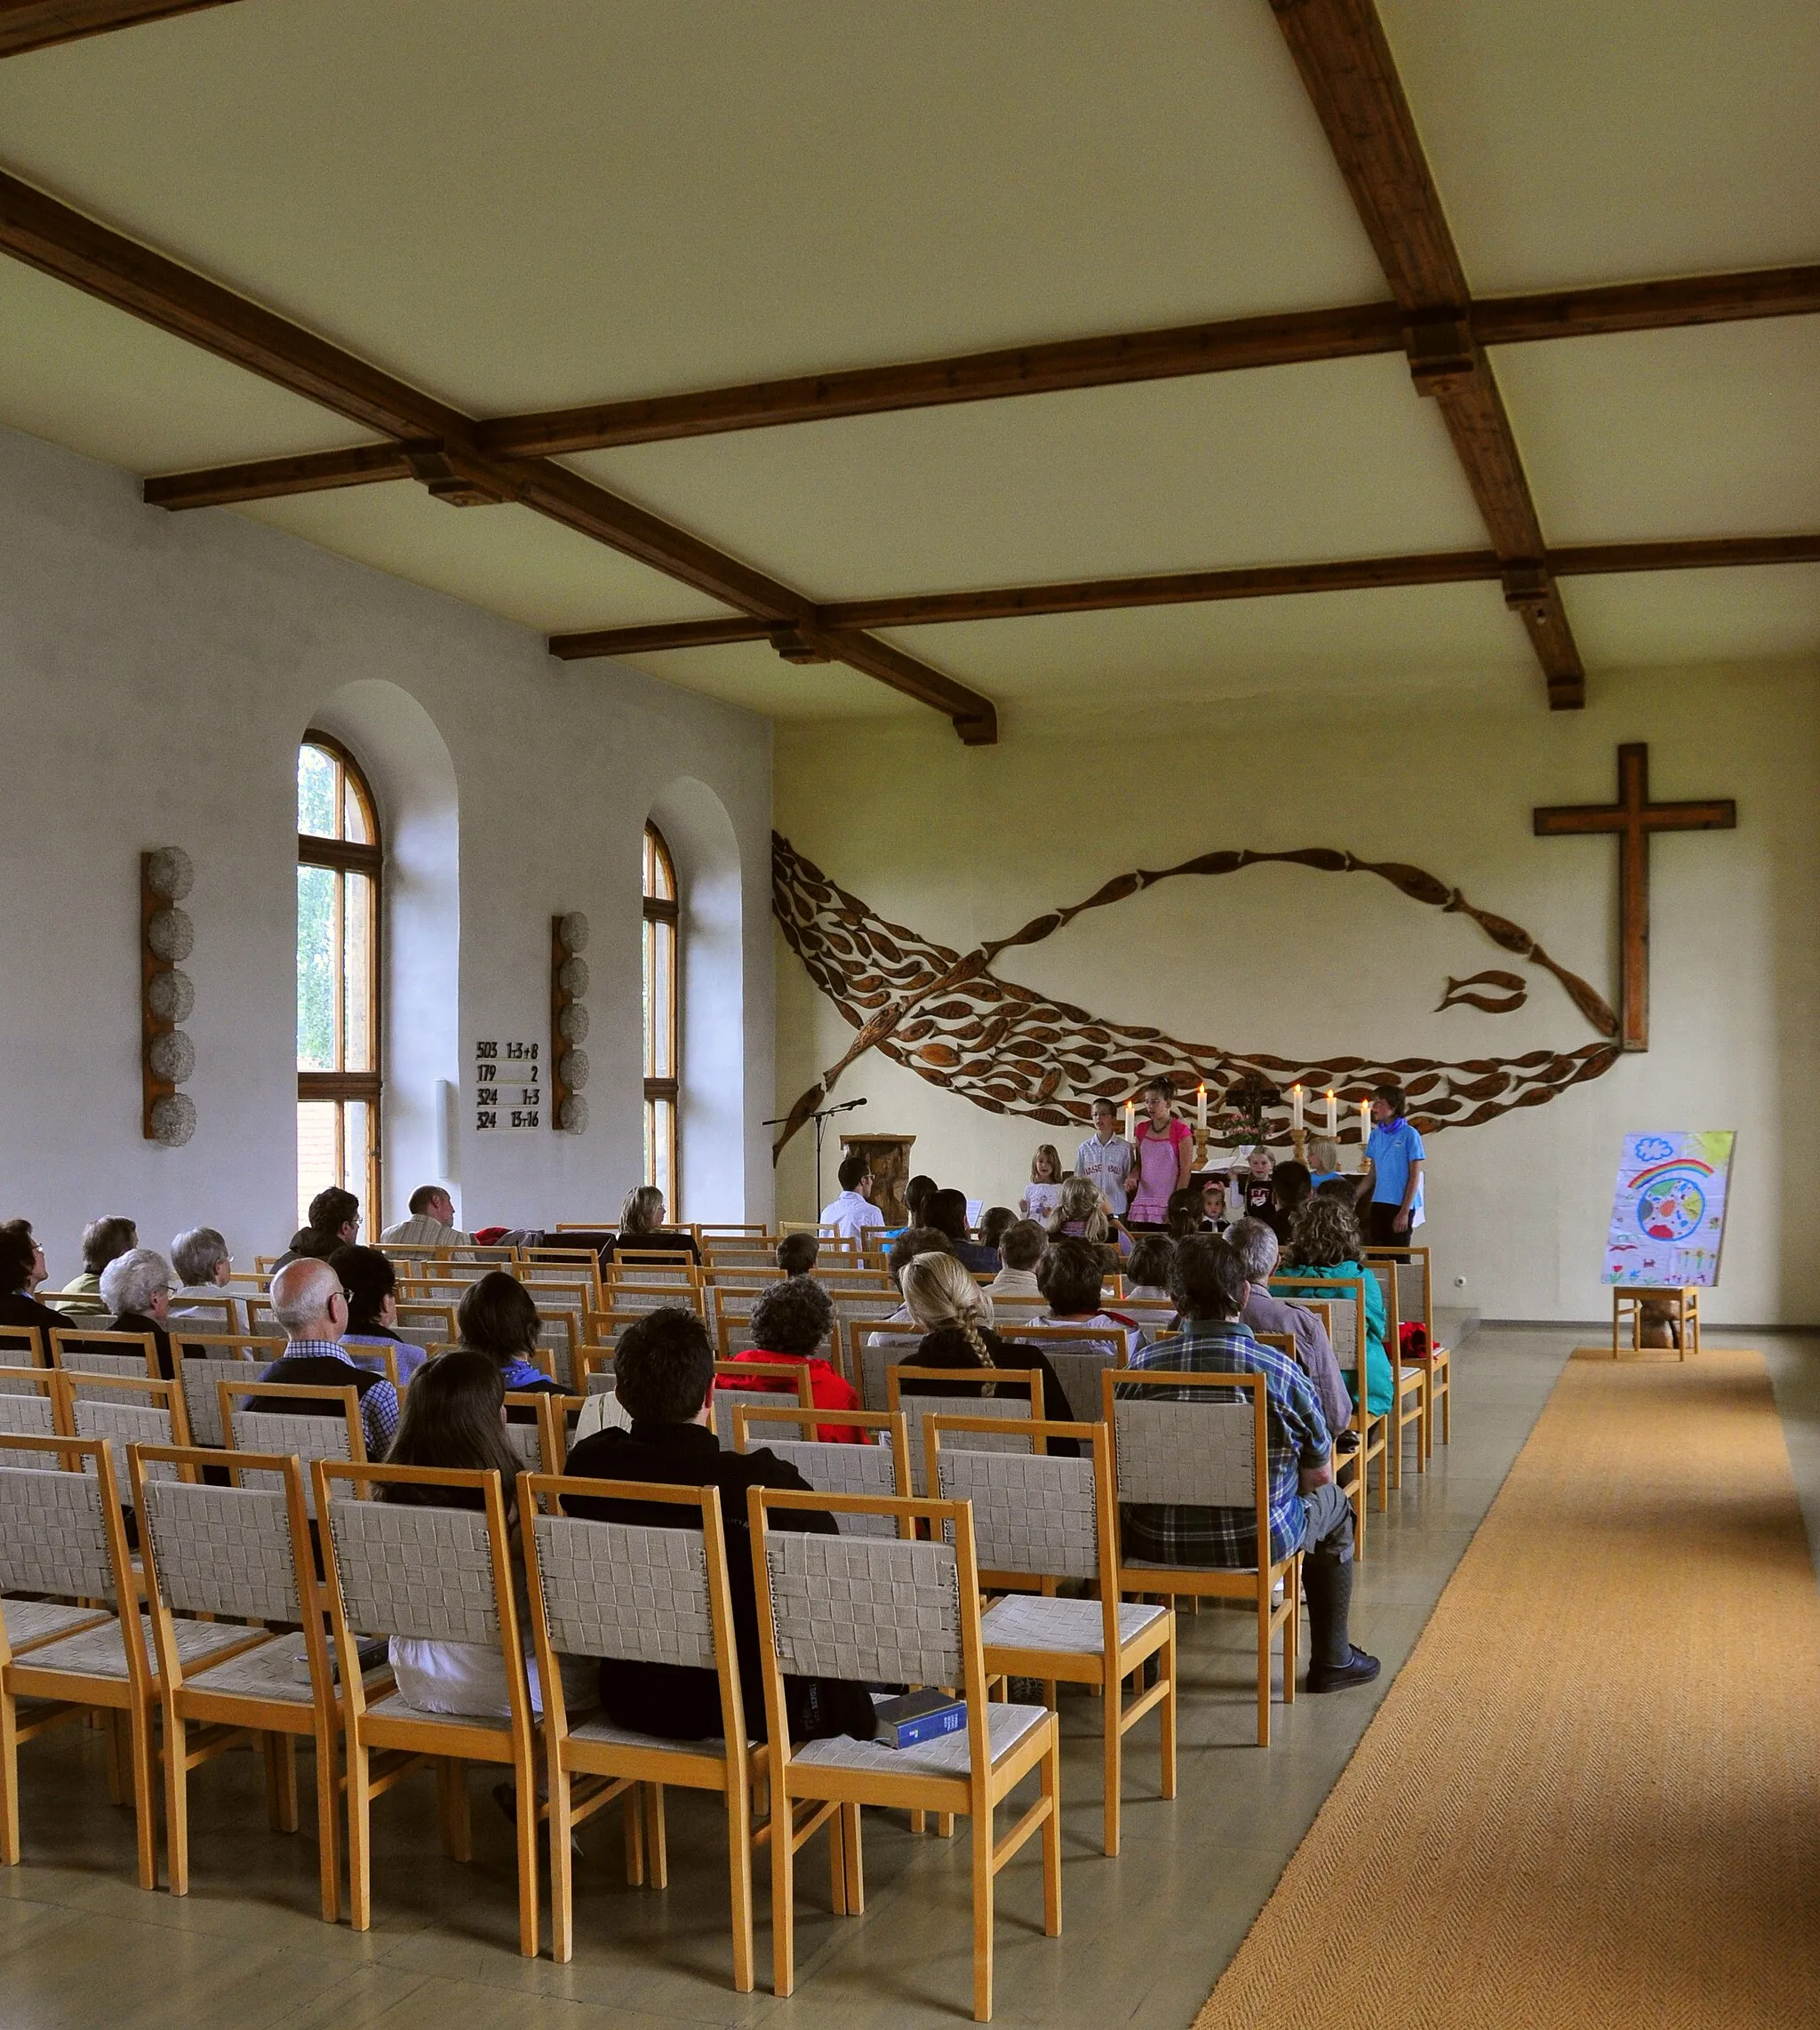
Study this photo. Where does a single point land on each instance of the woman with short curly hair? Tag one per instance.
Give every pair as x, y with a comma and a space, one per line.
789, 1323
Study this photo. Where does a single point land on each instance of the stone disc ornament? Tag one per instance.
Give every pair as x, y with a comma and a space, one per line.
572, 1069
174, 1120
572, 1023
170, 874
572, 976
572, 1118
170, 996
172, 1057
573, 932
172, 935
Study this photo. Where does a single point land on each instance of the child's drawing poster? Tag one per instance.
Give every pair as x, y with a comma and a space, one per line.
1668, 1212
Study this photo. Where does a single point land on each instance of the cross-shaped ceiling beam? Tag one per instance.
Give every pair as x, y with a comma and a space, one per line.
27, 24
438, 443
1345, 62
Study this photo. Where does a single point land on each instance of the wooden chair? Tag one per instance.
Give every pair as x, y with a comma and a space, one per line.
1344, 1298
225, 1358
222, 1314
1415, 1280
63, 1538
732, 1319
1079, 1355
1171, 1451
427, 1324
536, 1433
872, 1610
331, 1430
624, 1293
858, 1315
78, 1352
1682, 1307
245, 1552
1038, 1520
23, 1346
747, 1378
125, 1410
438, 1575
955, 1392
32, 1402
643, 1594
729, 1229
879, 1466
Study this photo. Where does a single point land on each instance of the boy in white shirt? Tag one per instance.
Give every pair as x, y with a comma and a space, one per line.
853, 1211
1107, 1158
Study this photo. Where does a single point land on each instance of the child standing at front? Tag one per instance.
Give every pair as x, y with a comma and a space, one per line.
1044, 1192
1165, 1157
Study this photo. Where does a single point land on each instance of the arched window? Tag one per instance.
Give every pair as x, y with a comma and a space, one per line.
338, 979
662, 1068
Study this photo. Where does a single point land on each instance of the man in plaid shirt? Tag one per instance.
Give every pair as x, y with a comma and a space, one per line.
1307, 1511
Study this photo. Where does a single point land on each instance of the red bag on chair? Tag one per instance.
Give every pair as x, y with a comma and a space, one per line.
1412, 1341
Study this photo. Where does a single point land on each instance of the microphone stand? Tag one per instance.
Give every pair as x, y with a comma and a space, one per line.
821, 1120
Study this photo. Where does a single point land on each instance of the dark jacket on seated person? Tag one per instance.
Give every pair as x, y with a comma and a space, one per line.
22, 1310
684, 1704
948, 1347
132, 1321
666, 1238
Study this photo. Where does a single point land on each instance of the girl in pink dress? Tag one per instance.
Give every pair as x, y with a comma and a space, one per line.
1165, 1156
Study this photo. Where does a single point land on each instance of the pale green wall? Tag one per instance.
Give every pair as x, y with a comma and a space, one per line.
962, 844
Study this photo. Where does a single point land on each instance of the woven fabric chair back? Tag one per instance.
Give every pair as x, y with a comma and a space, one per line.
865, 1608
223, 1550
841, 1469
426, 1573
53, 1537
1199, 1454
27, 1412
626, 1590
200, 1399
123, 1424
1036, 1515
1012, 1409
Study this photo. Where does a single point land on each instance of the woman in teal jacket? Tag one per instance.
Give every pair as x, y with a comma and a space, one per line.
1325, 1244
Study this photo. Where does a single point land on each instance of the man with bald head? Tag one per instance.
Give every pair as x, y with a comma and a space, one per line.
310, 1304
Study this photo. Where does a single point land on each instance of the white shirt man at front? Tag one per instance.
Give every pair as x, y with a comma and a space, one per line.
853, 1211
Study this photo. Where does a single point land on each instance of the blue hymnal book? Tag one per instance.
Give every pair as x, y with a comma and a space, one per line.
915, 1716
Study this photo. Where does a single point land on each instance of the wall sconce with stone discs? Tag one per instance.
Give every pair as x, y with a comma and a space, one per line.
568, 1065
167, 997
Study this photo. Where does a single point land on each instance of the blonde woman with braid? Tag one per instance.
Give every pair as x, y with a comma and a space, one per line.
955, 1315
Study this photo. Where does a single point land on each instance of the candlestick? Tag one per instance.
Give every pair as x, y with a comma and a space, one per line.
1364, 1122
1200, 1108
1131, 1123
1333, 1125
1295, 1108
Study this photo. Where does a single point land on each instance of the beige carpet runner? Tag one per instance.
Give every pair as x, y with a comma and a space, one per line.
1592, 1796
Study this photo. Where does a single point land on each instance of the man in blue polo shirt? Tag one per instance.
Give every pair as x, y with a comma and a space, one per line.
1394, 1160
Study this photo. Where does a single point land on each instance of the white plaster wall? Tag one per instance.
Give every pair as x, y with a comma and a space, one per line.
962, 844
156, 672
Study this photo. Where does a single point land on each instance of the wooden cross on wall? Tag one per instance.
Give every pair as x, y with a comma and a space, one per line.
1634, 818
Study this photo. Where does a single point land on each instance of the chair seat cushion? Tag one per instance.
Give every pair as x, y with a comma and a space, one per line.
1027, 1621
26, 1620
602, 1732
947, 1755
266, 1672
101, 1652
394, 1707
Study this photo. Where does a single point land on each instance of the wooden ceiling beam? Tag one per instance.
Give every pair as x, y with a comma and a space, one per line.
436, 442
27, 24
1196, 588
272, 478
1346, 65
1611, 307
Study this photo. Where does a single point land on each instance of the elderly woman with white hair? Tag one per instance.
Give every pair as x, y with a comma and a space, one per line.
137, 1287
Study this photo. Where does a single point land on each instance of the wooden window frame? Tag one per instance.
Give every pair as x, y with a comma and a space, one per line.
666, 1092
349, 856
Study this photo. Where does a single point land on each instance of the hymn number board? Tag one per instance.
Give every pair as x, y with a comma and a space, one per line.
509, 1086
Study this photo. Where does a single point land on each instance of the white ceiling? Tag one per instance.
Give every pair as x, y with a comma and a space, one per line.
516, 204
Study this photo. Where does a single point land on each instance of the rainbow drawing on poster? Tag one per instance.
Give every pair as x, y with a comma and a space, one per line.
1668, 1212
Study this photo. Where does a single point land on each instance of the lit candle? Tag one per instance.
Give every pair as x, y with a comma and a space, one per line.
1131, 1122
1364, 1122
1295, 1108
1333, 1123
1200, 1108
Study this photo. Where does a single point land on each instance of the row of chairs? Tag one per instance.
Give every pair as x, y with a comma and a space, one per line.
1016, 1523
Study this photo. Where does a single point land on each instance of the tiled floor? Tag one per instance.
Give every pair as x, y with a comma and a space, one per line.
1144, 1937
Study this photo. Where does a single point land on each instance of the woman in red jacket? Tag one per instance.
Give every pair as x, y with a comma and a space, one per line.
789, 1323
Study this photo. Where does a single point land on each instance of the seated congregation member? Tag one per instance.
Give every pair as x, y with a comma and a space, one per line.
432, 1221
1323, 1245
454, 1418
1213, 1202
1307, 1511
1257, 1249
797, 1252
642, 1230
371, 1284
917, 1195
203, 1266
957, 1332
1147, 1272
664, 1368
947, 1212
334, 1222
993, 1223
1185, 1213
103, 1240
1323, 1160
912, 1241
307, 1300
21, 1271
1082, 1216
1044, 1190
1020, 1249
1292, 1187
852, 1214
1072, 1277
1340, 1187
498, 1316
791, 1321
136, 1288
